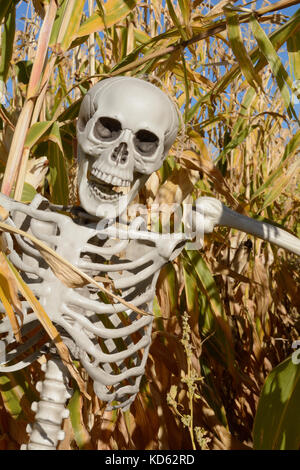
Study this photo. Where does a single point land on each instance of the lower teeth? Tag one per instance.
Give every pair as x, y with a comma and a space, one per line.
110, 196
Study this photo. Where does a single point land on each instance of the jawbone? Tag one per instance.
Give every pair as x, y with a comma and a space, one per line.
102, 195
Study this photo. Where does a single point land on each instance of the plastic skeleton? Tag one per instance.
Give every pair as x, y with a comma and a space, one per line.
125, 128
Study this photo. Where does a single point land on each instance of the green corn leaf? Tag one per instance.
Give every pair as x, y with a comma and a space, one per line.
57, 23
71, 22
186, 87
207, 281
7, 43
81, 434
58, 175
191, 291
67, 23
18, 393
36, 132
282, 78
28, 193
24, 68
5, 6
237, 140
218, 322
293, 46
276, 425
169, 275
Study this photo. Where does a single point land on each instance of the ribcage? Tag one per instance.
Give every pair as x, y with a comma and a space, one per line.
111, 340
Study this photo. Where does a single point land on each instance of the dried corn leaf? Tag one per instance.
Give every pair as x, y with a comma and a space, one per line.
49, 327
9, 296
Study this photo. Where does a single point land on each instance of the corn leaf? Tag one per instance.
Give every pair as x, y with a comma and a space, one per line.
58, 175
239, 50
7, 43
277, 38
5, 6
70, 23
289, 152
17, 394
175, 20
280, 184
9, 297
293, 46
81, 434
115, 11
219, 322
276, 426
36, 132
48, 326
281, 75
28, 193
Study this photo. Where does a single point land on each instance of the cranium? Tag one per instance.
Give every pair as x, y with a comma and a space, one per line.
125, 128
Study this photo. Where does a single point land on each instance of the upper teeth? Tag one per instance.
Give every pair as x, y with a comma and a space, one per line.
109, 179
106, 186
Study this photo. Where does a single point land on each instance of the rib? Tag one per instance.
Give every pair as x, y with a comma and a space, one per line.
105, 251
86, 344
73, 298
21, 364
130, 281
107, 333
126, 266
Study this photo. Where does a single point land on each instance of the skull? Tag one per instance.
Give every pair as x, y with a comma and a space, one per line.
125, 128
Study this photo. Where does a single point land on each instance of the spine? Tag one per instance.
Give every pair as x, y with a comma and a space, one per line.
46, 432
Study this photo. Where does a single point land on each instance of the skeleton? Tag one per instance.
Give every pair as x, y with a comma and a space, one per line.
125, 129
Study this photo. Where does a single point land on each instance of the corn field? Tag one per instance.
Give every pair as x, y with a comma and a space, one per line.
223, 371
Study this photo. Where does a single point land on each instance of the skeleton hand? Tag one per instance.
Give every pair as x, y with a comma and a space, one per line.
210, 212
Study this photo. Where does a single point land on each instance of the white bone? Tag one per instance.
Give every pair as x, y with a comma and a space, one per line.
212, 212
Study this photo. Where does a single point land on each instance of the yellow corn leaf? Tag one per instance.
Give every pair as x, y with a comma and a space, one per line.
115, 11
293, 45
70, 23
282, 182
239, 50
9, 296
48, 326
185, 7
198, 140
176, 20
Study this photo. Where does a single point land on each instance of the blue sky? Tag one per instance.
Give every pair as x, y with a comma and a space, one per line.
22, 9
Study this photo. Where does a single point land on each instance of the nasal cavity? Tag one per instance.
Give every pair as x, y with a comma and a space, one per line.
120, 154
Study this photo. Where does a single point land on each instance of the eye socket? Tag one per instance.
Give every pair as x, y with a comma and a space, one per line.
145, 142
107, 128
82, 122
